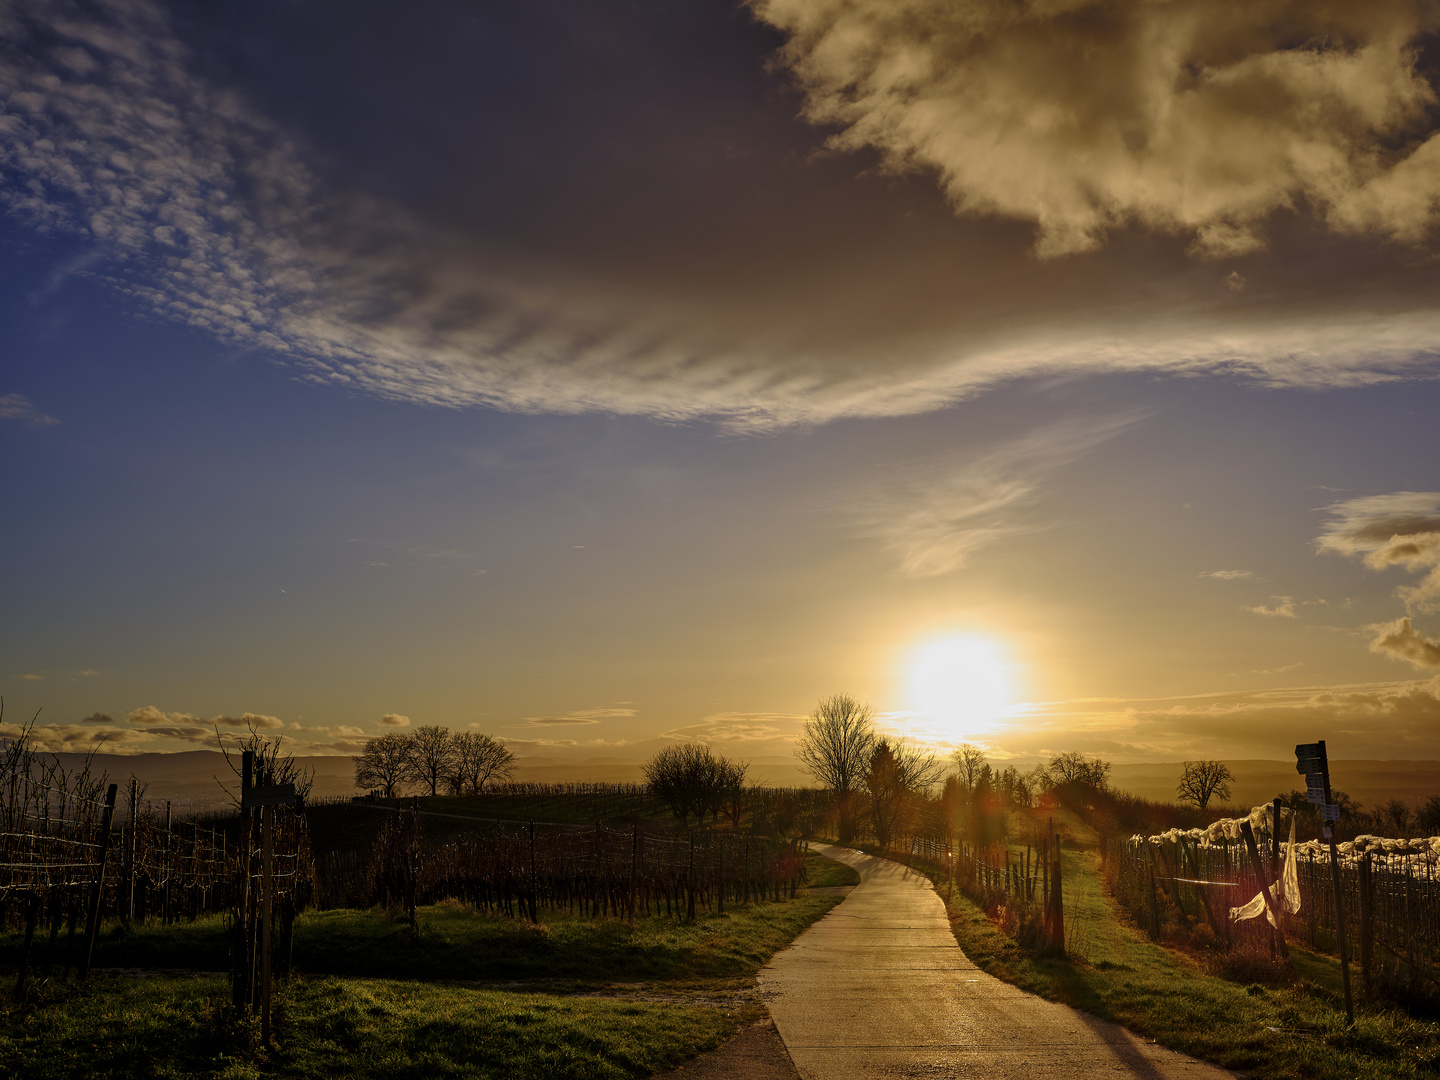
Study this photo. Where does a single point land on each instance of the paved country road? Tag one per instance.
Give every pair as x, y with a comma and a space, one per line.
879, 988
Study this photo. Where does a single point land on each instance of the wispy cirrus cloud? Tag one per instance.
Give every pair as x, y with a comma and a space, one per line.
934, 515
580, 717
210, 214
18, 407
1229, 575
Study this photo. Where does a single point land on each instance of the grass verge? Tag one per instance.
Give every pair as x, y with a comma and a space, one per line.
823, 873
1270, 1032
363, 1028
455, 942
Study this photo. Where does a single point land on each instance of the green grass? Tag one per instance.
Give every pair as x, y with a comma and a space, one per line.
455, 942
363, 1028
1292, 1030
375, 999
827, 873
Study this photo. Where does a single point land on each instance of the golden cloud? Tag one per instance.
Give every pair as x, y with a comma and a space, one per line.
1194, 117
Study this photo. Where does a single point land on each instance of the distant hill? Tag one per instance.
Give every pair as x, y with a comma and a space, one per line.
1369, 782
191, 779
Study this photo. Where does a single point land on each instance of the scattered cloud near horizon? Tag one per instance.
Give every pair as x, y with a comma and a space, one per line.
1229, 575
18, 407
391, 719
1193, 118
1251, 723
578, 716
1280, 607
149, 714
1401, 641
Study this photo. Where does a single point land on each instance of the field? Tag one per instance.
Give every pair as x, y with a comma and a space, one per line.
467, 995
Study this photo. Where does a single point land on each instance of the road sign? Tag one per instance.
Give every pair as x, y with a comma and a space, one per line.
1310, 764
1330, 812
1310, 749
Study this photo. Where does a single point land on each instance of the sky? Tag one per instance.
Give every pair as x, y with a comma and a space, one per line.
1056, 376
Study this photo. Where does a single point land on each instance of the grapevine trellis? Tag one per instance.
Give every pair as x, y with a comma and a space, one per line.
1027, 888
518, 869
1390, 893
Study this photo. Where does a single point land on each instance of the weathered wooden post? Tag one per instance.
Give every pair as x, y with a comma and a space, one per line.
92, 923
1311, 758
1366, 925
165, 871
1057, 898
1260, 876
267, 913
127, 908
244, 962
534, 880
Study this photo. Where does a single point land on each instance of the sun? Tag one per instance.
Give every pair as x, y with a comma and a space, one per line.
962, 684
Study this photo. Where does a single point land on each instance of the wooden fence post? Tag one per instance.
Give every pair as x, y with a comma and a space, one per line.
165, 871
92, 923
243, 962
534, 881
127, 909
1057, 898
1366, 925
267, 913
1259, 868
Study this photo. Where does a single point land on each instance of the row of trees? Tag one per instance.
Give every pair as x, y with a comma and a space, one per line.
842, 750
691, 779
432, 758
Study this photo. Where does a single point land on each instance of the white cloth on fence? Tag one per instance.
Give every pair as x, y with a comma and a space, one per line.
1286, 890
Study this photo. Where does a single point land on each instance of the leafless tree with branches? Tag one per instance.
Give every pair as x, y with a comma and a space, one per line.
477, 759
434, 750
835, 748
1204, 780
385, 763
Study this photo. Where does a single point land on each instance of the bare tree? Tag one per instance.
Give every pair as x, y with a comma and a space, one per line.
434, 747
968, 759
1075, 768
835, 748
1395, 814
685, 776
1427, 819
730, 789
1204, 780
477, 759
384, 763
896, 774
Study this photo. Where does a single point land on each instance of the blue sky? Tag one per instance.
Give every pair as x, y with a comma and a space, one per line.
598, 376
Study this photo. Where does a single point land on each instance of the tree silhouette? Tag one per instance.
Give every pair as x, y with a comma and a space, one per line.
835, 748
1203, 781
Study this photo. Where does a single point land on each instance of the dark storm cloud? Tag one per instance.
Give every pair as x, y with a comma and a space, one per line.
1398, 529
1197, 117
678, 251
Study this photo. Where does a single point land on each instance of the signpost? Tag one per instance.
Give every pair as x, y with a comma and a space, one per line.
1312, 761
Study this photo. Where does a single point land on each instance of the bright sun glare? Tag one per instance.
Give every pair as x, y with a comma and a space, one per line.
962, 684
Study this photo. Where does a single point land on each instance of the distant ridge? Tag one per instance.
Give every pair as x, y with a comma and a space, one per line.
190, 778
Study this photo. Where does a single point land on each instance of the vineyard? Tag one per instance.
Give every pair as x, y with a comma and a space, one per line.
1183, 884
516, 869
